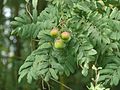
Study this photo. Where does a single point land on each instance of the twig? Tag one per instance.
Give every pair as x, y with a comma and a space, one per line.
61, 84
48, 85
28, 11
43, 87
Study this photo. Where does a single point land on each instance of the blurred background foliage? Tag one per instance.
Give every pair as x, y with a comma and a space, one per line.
14, 50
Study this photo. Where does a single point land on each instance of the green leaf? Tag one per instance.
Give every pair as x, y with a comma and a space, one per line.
42, 72
106, 71
47, 77
103, 77
33, 72
118, 72
85, 72
15, 23
114, 45
92, 52
57, 66
53, 73
106, 39
66, 70
80, 55
87, 46
42, 65
111, 66
82, 60
114, 36
45, 45
29, 77
114, 13
22, 74
19, 19
115, 79
25, 65
82, 6
70, 67
34, 3
34, 15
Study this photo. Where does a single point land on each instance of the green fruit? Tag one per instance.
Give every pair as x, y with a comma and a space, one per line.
59, 44
54, 32
65, 35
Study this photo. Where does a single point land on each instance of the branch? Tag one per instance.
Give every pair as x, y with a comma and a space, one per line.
28, 11
61, 84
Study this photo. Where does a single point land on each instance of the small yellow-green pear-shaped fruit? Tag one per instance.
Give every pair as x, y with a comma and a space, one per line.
54, 32
58, 44
65, 35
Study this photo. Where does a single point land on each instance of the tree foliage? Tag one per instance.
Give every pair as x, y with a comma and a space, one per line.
95, 34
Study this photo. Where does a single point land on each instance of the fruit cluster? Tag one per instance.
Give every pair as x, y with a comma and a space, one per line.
60, 38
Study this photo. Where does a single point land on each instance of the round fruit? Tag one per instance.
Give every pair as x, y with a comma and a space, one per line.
65, 35
59, 44
54, 32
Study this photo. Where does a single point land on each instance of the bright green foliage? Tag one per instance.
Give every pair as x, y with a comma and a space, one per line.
95, 35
